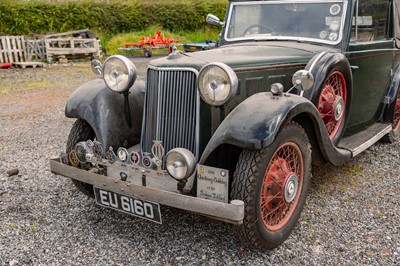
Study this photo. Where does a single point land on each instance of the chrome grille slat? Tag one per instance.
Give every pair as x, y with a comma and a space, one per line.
171, 109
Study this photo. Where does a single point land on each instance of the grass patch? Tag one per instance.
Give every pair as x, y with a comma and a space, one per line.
5, 90
38, 84
330, 177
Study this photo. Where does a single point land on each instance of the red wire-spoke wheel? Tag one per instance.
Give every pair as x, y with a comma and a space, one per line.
332, 103
272, 183
281, 186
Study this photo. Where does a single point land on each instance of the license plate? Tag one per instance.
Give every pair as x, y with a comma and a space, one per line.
136, 207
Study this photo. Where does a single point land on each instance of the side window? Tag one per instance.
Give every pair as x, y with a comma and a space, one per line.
370, 21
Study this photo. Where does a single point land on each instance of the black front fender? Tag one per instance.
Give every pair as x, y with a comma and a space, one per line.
104, 110
255, 122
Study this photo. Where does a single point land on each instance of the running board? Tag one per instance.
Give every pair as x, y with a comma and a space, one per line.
361, 141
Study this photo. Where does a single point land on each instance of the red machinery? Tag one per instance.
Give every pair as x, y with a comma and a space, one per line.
147, 44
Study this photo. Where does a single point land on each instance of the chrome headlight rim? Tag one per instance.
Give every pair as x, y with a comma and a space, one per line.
187, 162
232, 79
108, 74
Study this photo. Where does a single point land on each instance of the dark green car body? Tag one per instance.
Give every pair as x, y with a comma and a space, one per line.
260, 64
324, 86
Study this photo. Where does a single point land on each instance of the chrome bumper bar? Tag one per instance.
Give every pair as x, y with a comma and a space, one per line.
232, 212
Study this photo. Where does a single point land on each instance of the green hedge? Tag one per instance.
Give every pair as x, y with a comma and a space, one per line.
42, 17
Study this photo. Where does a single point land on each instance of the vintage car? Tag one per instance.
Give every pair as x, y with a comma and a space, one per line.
232, 133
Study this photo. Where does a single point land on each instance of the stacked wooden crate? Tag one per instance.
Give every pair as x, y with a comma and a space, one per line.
73, 44
15, 50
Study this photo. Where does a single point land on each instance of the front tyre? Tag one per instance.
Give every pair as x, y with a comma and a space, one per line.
273, 184
80, 131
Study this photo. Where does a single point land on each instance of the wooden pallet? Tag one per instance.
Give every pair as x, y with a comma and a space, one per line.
12, 49
36, 50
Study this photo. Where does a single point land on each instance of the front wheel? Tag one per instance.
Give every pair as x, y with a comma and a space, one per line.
273, 184
80, 131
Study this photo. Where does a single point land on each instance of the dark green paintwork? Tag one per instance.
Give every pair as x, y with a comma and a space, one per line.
245, 55
259, 64
372, 66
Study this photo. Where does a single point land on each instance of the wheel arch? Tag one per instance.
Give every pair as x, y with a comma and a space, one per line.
227, 155
322, 66
104, 111
254, 124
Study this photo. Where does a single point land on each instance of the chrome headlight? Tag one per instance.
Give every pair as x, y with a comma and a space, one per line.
180, 163
218, 83
119, 73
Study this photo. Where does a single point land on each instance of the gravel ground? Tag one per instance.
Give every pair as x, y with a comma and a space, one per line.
351, 217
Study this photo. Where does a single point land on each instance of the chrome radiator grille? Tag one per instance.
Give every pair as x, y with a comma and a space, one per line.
171, 110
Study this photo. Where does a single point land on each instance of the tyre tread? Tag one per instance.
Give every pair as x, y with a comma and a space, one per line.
80, 131
244, 185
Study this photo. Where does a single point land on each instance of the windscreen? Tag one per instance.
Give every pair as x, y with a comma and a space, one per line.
313, 20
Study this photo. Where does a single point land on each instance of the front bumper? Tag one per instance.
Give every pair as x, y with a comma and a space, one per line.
232, 212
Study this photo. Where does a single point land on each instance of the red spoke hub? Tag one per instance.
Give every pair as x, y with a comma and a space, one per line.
282, 185
332, 103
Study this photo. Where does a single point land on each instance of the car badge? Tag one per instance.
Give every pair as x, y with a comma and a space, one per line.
73, 159
110, 155
123, 155
98, 151
146, 160
135, 158
158, 153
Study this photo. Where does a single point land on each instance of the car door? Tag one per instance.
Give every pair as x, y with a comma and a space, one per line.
370, 54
